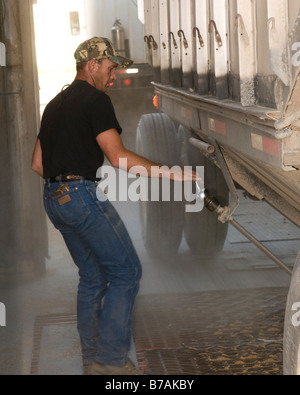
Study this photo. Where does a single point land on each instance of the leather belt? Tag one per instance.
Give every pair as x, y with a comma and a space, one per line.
71, 177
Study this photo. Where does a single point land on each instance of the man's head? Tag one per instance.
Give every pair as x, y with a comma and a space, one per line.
97, 62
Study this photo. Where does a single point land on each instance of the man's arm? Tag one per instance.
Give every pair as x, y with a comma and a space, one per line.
37, 162
112, 146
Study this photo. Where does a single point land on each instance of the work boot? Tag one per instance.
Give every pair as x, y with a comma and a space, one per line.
97, 369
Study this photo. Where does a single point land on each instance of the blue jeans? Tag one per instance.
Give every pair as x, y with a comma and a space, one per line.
109, 269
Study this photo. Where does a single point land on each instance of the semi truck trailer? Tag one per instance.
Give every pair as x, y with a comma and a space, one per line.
226, 78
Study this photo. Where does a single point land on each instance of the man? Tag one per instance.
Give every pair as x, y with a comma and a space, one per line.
78, 128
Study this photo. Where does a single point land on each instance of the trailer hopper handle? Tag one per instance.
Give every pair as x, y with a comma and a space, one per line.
146, 40
151, 39
171, 35
182, 34
217, 34
197, 31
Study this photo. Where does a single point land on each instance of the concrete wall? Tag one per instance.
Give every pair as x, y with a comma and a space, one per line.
23, 235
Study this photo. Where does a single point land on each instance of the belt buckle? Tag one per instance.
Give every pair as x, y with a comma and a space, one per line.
70, 177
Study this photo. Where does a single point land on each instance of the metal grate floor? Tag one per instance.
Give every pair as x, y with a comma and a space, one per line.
228, 332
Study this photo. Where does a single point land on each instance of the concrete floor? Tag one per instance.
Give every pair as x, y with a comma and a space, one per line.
240, 266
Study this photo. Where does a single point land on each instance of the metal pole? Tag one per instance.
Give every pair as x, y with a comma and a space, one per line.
213, 205
261, 246
202, 146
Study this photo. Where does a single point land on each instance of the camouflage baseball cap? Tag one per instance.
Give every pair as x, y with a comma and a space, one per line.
100, 48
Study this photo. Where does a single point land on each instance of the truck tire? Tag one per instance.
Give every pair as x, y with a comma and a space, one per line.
204, 233
291, 338
162, 222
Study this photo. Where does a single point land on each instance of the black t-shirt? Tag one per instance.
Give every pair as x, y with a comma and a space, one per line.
70, 124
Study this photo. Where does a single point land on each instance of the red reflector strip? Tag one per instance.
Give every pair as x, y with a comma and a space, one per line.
217, 126
188, 114
272, 147
156, 101
267, 145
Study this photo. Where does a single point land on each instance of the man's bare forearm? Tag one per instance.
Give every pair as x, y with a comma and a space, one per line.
136, 164
37, 162
111, 144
